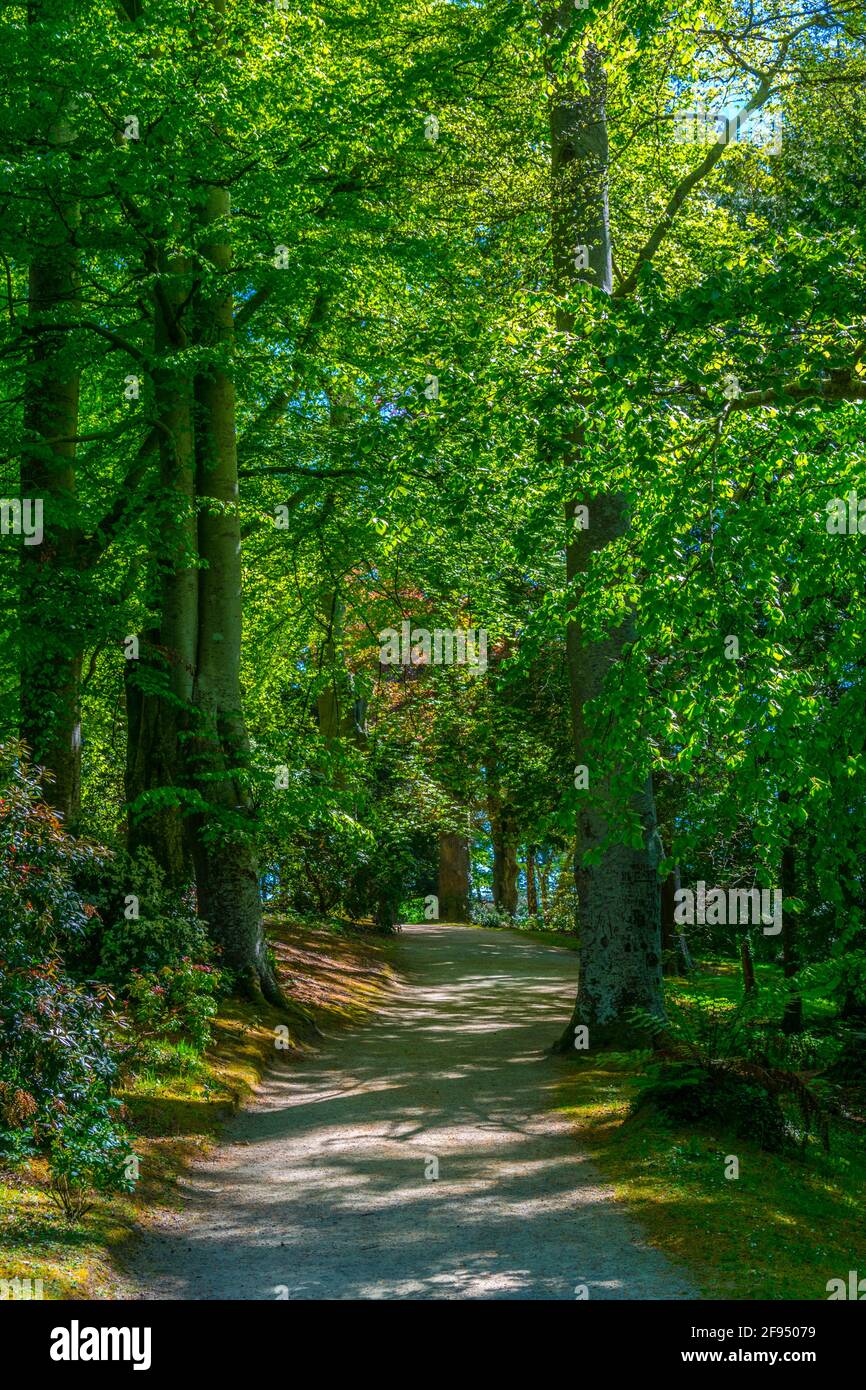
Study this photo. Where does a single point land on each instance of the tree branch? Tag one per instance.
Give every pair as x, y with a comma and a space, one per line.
119, 343
281, 400
714, 154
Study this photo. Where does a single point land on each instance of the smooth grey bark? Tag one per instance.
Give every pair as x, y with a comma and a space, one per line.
223, 838
676, 957
50, 636
668, 925
159, 686
618, 897
453, 878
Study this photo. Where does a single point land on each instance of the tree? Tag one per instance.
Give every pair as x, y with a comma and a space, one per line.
617, 884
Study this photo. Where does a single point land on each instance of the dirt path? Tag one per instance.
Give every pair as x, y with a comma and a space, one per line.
322, 1189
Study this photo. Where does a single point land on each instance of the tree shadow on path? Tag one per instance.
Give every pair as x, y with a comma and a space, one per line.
328, 1188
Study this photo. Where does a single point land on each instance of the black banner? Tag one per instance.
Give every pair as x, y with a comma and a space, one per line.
87, 1340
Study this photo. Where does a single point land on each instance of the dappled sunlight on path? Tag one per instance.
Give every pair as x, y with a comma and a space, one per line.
325, 1190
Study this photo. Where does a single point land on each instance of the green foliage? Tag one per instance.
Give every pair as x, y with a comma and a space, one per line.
485, 914
849, 1064
40, 904
842, 977
89, 1153
718, 1070
316, 868
161, 962
561, 915
687, 1094
165, 931
365, 501
56, 1066
175, 1002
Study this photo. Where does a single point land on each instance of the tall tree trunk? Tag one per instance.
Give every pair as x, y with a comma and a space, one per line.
618, 898
328, 698
152, 764
792, 1019
504, 858
340, 713
686, 964
223, 841
453, 882
531, 890
159, 686
49, 615
564, 888
544, 886
750, 984
668, 925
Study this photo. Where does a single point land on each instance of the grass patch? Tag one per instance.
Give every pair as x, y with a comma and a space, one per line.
781, 1230
569, 941
177, 1108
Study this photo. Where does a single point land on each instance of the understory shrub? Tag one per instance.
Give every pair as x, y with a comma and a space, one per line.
146, 941
849, 1066
488, 915
317, 871
689, 1094
56, 1067
89, 1152
842, 977
715, 1068
176, 1002
561, 915
138, 923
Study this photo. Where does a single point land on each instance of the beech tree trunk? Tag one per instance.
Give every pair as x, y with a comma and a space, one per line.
227, 878
544, 885
531, 890
750, 984
453, 882
618, 897
328, 699
504, 859
685, 956
340, 713
792, 1019
159, 686
668, 925
564, 881
51, 642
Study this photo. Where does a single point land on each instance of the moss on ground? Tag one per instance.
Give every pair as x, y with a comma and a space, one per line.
780, 1230
338, 975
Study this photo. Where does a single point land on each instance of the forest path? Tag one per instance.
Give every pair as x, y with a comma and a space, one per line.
319, 1190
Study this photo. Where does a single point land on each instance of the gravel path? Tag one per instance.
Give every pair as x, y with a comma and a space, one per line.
324, 1188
